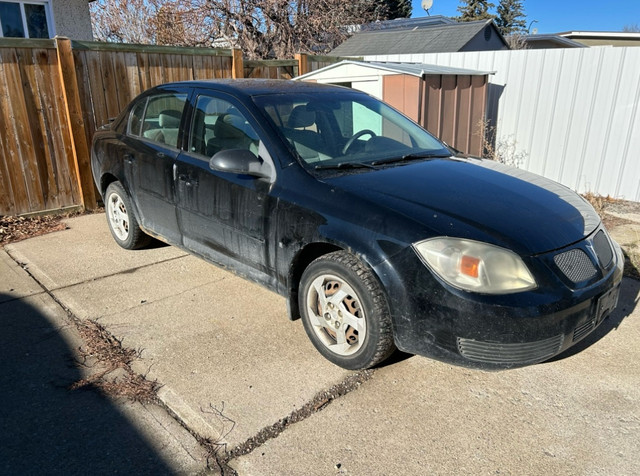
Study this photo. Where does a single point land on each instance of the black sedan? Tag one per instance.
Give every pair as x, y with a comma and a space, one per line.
379, 235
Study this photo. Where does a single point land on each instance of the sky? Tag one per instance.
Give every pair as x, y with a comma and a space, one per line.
554, 16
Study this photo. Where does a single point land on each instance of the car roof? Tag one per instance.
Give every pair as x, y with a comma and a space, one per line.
257, 87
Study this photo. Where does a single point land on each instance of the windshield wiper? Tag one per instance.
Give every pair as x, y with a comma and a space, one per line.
414, 155
346, 165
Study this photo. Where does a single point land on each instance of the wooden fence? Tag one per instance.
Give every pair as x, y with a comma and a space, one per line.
37, 167
55, 93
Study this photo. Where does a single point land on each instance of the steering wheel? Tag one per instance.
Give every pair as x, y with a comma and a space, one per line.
355, 136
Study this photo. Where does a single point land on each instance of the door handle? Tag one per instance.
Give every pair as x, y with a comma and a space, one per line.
128, 158
161, 155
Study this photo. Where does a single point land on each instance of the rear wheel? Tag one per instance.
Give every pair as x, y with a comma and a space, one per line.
122, 222
345, 312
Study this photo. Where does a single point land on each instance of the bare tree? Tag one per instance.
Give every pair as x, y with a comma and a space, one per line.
280, 28
124, 21
261, 28
631, 28
517, 41
160, 22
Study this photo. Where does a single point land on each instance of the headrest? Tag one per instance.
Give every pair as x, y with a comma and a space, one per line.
169, 119
301, 116
229, 126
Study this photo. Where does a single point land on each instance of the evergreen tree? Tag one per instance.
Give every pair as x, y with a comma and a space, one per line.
511, 18
472, 10
397, 8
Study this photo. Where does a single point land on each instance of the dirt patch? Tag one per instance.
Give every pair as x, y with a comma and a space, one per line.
605, 206
610, 221
623, 206
619, 228
110, 362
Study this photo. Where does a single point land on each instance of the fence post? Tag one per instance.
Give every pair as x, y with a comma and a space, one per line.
303, 65
75, 122
237, 69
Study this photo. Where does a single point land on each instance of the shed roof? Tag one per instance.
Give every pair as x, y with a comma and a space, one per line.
429, 39
413, 69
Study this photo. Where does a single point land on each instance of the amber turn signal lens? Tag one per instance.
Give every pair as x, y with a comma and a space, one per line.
469, 265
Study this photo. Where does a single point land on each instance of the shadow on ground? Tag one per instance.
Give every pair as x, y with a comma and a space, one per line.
45, 428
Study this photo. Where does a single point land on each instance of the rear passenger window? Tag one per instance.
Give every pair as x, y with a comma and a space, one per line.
161, 120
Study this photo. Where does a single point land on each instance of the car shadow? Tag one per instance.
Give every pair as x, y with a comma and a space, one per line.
46, 428
627, 303
395, 358
155, 243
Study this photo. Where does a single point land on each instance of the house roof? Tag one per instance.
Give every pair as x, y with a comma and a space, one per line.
555, 40
628, 35
413, 69
603, 38
439, 38
405, 23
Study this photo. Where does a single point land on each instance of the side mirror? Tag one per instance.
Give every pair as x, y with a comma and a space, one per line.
238, 161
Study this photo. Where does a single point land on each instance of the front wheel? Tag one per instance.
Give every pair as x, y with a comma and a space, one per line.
345, 312
121, 219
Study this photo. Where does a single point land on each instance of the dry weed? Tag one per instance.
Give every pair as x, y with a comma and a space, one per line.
115, 377
502, 150
598, 202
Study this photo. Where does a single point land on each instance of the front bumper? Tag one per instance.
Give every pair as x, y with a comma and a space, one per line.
433, 319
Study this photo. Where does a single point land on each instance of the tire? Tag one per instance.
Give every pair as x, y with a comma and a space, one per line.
122, 222
345, 312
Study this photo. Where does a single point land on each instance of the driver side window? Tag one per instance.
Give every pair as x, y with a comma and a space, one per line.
218, 125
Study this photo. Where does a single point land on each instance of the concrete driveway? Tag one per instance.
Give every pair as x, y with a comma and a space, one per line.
236, 371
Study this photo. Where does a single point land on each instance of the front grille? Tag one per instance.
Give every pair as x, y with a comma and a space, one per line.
603, 249
583, 330
518, 353
575, 265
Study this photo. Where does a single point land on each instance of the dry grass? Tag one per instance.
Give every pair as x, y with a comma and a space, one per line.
114, 376
598, 202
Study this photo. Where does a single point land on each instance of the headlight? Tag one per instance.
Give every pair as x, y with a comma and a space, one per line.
475, 266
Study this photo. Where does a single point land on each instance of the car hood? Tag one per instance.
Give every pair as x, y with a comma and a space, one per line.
477, 199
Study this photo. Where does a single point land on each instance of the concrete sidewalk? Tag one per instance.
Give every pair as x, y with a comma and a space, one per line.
231, 365
47, 428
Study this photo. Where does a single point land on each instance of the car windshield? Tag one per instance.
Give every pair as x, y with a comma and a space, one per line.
345, 129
